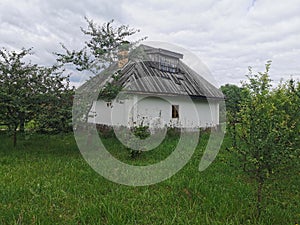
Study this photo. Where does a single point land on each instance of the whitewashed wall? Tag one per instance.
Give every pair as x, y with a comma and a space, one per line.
156, 112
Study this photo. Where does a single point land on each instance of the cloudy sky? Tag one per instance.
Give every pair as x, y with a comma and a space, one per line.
226, 35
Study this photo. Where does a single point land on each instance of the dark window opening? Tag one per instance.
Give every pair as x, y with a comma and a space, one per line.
168, 67
175, 111
168, 64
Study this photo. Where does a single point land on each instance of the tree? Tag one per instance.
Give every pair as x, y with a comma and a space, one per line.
15, 83
99, 52
266, 130
55, 108
102, 48
234, 96
26, 89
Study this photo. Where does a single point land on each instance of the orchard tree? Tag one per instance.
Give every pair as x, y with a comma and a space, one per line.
54, 113
233, 97
287, 97
267, 130
26, 89
16, 81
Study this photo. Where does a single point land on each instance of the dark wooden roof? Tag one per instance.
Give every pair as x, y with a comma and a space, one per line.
144, 77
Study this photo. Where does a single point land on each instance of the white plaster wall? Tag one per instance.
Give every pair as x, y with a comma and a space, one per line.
156, 111
117, 114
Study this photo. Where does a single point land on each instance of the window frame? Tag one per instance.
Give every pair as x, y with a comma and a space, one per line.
175, 111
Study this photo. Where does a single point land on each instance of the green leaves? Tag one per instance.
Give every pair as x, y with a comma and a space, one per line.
29, 92
109, 92
97, 54
102, 47
268, 126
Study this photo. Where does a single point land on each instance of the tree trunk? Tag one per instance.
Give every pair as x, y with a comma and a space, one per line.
15, 136
22, 122
259, 197
234, 134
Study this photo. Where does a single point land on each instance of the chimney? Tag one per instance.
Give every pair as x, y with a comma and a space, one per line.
123, 54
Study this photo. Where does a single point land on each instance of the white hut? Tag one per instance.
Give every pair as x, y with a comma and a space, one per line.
158, 91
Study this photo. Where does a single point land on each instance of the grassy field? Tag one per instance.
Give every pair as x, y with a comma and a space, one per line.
45, 180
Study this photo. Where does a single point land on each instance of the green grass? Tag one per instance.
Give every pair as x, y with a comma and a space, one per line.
45, 180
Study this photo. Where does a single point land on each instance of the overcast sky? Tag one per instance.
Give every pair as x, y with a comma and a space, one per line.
226, 35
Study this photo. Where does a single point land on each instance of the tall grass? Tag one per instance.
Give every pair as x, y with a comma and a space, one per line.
45, 180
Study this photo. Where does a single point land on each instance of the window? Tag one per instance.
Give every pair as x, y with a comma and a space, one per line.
168, 64
175, 111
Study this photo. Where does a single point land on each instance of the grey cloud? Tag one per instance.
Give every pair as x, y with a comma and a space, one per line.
227, 35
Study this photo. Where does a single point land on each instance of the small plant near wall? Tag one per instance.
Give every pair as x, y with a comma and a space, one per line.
142, 132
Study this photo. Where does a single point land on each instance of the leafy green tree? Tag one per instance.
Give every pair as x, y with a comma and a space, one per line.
26, 89
234, 96
16, 81
55, 109
266, 130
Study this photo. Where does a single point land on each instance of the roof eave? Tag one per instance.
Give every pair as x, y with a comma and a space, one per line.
173, 95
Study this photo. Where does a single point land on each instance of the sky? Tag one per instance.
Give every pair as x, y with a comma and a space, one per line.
226, 35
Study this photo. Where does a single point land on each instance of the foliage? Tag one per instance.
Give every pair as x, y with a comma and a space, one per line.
105, 131
234, 95
287, 98
57, 113
142, 132
28, 91
267, 134
102, 48
110, 90
98, 53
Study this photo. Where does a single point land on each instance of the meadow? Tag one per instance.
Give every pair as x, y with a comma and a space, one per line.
45, 180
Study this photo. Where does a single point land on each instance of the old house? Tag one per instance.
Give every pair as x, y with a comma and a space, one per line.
158, 89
